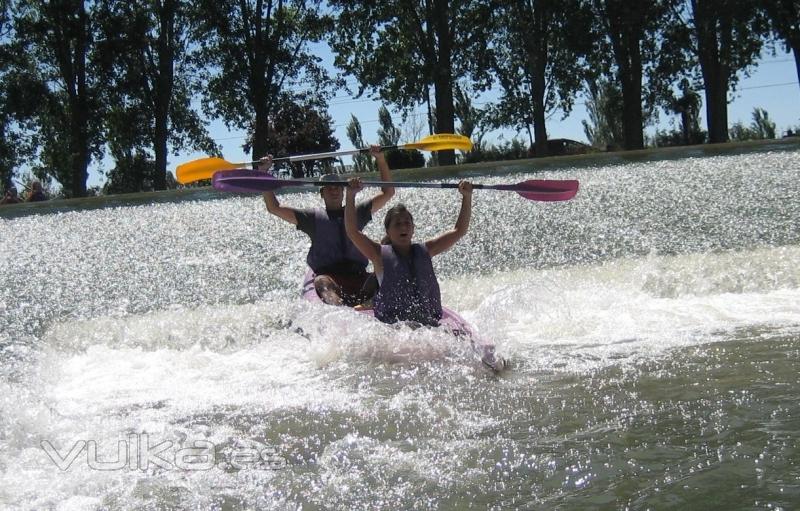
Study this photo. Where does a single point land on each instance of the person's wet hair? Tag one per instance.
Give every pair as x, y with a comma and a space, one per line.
390, 215
394, 212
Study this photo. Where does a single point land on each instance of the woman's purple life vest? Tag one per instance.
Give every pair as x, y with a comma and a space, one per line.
409, 290
331, 250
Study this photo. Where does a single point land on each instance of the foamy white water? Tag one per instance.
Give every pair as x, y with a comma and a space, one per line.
652, 324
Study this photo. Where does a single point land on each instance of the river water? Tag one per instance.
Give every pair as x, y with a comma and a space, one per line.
158, 356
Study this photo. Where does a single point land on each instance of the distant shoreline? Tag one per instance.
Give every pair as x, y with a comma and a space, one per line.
492, 168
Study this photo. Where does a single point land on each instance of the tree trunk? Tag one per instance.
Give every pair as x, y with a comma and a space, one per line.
261, 131
632, 117
79, 115
714, 70
685, 123
626, 32
537, 56
793, 35
163, 90
443, 80
784, 14
796, 52
79, 151
716, 85
263, 74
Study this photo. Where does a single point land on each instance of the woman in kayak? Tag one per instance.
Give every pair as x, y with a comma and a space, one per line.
340, 269
408, 290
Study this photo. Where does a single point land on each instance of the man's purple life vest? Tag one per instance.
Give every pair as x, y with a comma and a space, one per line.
409, 290
331, 250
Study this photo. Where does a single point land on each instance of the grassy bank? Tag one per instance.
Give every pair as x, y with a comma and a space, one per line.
462, 171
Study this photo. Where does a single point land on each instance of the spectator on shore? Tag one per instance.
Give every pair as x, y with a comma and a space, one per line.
37, 193
11, 196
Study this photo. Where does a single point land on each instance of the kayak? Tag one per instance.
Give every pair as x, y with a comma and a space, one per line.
451, 321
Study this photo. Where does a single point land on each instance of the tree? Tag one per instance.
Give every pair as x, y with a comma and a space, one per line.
59, 36
472, 122
604, 130
145, 63
634, 35
253, 52
539, 61
762, 125
20, 90
389, 135
399, 50
361, 162
688, 107
784, 16
726, 39
300, 129
760, 129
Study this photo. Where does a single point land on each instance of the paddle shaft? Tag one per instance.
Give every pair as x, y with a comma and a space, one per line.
397, 184
322, 156
253, 181
204, 168
520, 187
334, 154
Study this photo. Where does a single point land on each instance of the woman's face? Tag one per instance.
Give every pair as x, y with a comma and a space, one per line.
401, 229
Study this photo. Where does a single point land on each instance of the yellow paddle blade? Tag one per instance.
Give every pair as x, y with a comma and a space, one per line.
441, 142
204, 168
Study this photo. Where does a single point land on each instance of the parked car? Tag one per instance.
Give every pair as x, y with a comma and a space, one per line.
565, 146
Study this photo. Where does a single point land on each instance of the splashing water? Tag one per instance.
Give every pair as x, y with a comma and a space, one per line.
159, 356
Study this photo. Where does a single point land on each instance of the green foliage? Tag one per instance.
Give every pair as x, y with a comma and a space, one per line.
783, 16
473, 121
631, 53
19, 94
71, 107
143, 59
604, 130
761, 128
300, 129
399, 50
664, 138
389, 134
762, 125
539, 59
252, 54
726, 40
509, 150
132, 173
688, 107
412, 159
361, 162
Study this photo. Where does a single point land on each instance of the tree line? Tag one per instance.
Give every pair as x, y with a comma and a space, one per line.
84, 79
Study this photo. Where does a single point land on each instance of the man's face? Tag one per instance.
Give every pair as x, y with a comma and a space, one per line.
332, 195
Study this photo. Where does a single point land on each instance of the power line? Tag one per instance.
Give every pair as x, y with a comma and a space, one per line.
769, 85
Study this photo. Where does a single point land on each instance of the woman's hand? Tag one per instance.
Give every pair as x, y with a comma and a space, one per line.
354, 186
265, 163
465, 188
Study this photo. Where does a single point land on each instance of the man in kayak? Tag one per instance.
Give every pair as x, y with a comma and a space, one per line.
409, 290
340, 269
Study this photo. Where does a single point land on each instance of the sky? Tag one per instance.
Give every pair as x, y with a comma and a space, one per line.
772, 86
